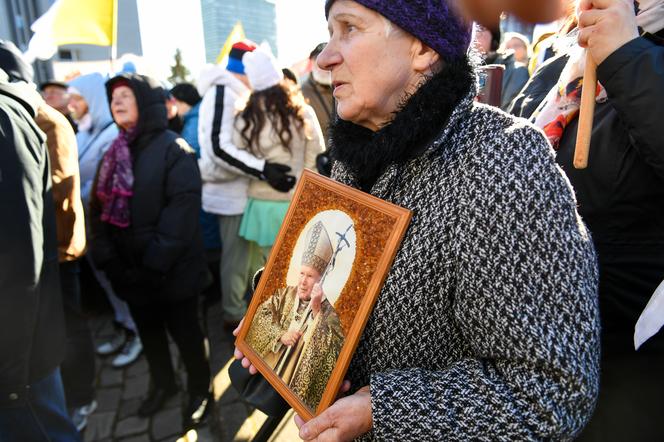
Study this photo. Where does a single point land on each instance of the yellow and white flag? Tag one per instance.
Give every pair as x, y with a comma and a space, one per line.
237, 34
73, 22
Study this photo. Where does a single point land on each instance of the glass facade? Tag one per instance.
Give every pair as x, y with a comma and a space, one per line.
258, 19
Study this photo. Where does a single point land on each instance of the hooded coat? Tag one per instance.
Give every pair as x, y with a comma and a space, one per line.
32, 343
161, 252
93, 143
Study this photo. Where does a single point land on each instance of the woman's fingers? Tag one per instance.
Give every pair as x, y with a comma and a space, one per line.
237, 329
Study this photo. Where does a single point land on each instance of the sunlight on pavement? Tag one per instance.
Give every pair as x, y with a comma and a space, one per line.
221, 381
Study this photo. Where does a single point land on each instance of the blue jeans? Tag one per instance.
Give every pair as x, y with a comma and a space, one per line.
43, 417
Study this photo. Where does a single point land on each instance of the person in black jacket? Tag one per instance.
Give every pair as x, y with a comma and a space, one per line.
146, 235
621, 198
32, 339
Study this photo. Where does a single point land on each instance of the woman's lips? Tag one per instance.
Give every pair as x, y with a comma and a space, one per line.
337, 84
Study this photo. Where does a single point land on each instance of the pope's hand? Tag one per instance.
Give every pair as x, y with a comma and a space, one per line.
290, 338
316, 298
605, 26
345, 420
238, 354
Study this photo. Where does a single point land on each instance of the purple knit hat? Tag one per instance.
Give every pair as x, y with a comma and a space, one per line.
434, 22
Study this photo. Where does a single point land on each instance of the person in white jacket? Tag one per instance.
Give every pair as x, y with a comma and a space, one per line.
226, 172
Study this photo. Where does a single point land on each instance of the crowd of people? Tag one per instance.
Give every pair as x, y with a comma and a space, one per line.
126, 159
510, 307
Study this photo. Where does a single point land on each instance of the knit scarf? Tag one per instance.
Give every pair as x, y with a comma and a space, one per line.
116, 181
561, 105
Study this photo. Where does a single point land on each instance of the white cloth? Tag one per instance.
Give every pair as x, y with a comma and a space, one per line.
262, 69
652, 318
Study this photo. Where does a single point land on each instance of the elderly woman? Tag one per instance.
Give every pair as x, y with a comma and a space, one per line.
146, 236
487, 325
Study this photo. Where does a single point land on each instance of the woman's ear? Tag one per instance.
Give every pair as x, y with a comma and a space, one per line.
423, 57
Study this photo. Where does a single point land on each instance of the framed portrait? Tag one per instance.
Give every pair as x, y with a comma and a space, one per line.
328, 264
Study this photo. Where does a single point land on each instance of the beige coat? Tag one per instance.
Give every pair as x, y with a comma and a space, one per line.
321, 99
305, 146
63, 155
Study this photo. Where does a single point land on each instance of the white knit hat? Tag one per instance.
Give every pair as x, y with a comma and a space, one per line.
262, 69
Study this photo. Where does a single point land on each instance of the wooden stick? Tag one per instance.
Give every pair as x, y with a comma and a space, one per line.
586, 112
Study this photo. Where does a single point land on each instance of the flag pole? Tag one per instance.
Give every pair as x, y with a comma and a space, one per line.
114, 34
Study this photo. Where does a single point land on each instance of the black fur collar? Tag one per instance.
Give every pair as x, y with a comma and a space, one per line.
419, 119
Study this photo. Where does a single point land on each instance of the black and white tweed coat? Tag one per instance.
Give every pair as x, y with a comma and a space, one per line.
487, 327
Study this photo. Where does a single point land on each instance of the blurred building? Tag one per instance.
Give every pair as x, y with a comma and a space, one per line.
16, 16
258, 19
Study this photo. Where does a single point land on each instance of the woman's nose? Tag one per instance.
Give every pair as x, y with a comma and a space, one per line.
328, 58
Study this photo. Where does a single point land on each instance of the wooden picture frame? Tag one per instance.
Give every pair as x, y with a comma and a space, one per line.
377, 229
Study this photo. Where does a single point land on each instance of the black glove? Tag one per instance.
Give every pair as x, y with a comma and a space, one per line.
324, 164
275, 175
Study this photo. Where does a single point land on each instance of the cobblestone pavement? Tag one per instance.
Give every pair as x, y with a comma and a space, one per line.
119, 393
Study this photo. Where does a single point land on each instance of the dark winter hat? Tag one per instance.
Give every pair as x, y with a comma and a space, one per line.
12, 62
237, 52
187, 93
55, 83
434, 22
117, 82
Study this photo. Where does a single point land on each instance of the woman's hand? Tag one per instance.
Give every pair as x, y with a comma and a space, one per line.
238, 354
606, 27
346, 419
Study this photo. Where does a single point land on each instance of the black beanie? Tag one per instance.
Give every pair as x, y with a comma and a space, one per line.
187, 93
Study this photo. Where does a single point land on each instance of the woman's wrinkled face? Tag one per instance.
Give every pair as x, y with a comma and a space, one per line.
371, 62
124, 107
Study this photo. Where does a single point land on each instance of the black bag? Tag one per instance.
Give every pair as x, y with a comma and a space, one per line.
256, 391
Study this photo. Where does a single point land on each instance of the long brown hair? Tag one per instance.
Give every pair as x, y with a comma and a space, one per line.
282, 105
